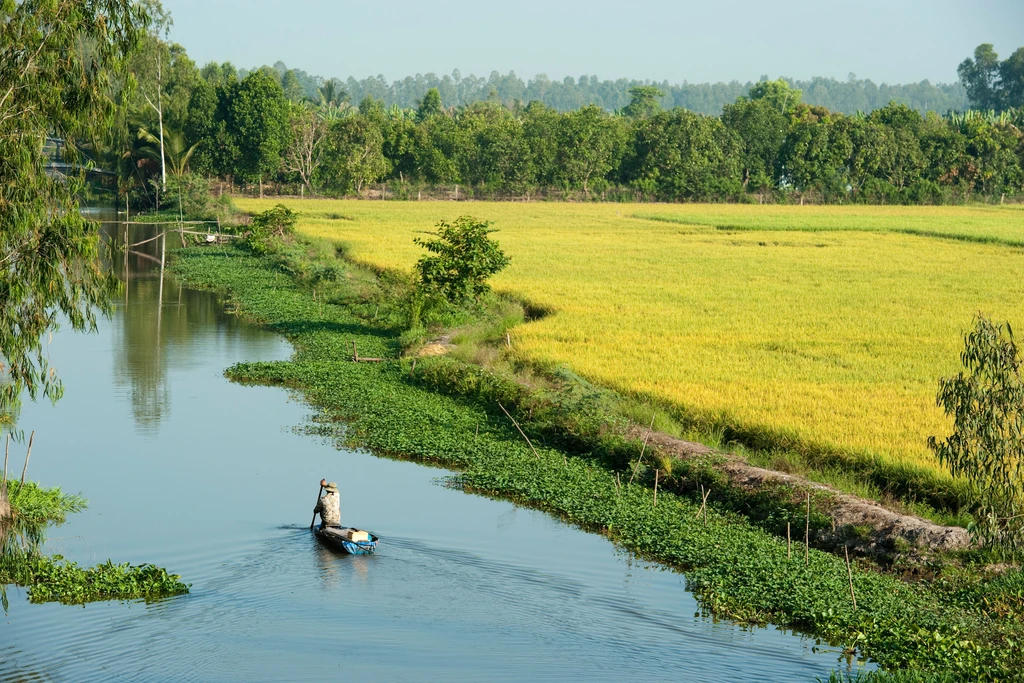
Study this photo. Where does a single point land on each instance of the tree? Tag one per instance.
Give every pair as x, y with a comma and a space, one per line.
291, 87
59, 62
980, 77
305, 151
779, 94
762, 130
258, 124
464, 257
430, 105
682, 156
816, 155
540, 132
589, 144
644, 103
986, 402
1011, 79
332, 93
354, 155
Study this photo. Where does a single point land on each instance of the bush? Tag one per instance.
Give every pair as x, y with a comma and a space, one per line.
268, 226
464, 258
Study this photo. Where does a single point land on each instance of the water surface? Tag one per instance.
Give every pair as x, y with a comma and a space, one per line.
210, 479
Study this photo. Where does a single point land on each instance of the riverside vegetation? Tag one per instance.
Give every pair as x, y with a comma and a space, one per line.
54, 579
961, 623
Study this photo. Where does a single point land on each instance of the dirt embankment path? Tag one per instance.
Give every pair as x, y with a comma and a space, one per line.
889, 527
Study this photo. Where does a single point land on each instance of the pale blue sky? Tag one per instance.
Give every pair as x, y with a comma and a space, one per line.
894, 41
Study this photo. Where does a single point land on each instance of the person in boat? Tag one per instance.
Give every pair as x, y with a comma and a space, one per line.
329, 505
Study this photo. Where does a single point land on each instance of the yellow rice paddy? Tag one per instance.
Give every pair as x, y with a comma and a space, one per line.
833, 324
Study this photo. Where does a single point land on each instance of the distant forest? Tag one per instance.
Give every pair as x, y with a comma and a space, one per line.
848, 96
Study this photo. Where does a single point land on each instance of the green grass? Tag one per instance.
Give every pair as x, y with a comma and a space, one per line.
735, 568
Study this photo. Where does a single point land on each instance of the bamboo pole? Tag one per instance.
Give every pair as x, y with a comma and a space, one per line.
521, 431
355, 352
849, 573
703, 504
27, 456
7, 454
807, 533
789, 544
656, 473
412, 370
642, 451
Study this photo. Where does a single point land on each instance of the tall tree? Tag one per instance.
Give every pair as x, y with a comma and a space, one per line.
1011, 79
59, 60
305, 150
779, 94
430, 105
644, 103
258, 123
980, 77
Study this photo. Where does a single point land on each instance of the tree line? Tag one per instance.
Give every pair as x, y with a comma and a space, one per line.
848, 97
187, 124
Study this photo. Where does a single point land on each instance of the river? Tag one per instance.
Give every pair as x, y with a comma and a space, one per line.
217, 482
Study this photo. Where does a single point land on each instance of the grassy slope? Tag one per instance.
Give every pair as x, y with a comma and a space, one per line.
735, 569
823, 341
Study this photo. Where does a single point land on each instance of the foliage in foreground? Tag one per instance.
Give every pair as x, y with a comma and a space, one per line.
956, 623
51, 86
986, 402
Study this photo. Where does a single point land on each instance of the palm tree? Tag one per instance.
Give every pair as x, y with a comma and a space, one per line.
178, 156
333, 93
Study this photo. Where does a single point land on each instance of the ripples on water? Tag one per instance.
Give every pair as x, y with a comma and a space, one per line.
186, 470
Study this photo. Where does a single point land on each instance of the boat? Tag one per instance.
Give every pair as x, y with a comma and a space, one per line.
340, 538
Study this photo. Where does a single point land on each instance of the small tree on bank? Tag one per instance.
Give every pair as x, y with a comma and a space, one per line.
986, 447
463, 258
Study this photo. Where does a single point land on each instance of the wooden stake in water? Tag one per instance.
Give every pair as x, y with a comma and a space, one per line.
789, 544
849, 573
7, 454
807, 533
27, 456
656, 473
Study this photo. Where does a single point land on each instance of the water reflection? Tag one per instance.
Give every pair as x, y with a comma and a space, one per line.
156, 327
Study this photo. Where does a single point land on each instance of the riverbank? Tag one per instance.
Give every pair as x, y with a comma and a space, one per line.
735, 568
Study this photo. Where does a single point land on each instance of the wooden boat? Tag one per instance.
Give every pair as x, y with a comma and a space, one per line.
338, 538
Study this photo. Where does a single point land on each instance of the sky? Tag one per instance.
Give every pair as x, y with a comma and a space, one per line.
890, 41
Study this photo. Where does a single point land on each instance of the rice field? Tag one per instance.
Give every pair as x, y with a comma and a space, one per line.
830, 325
